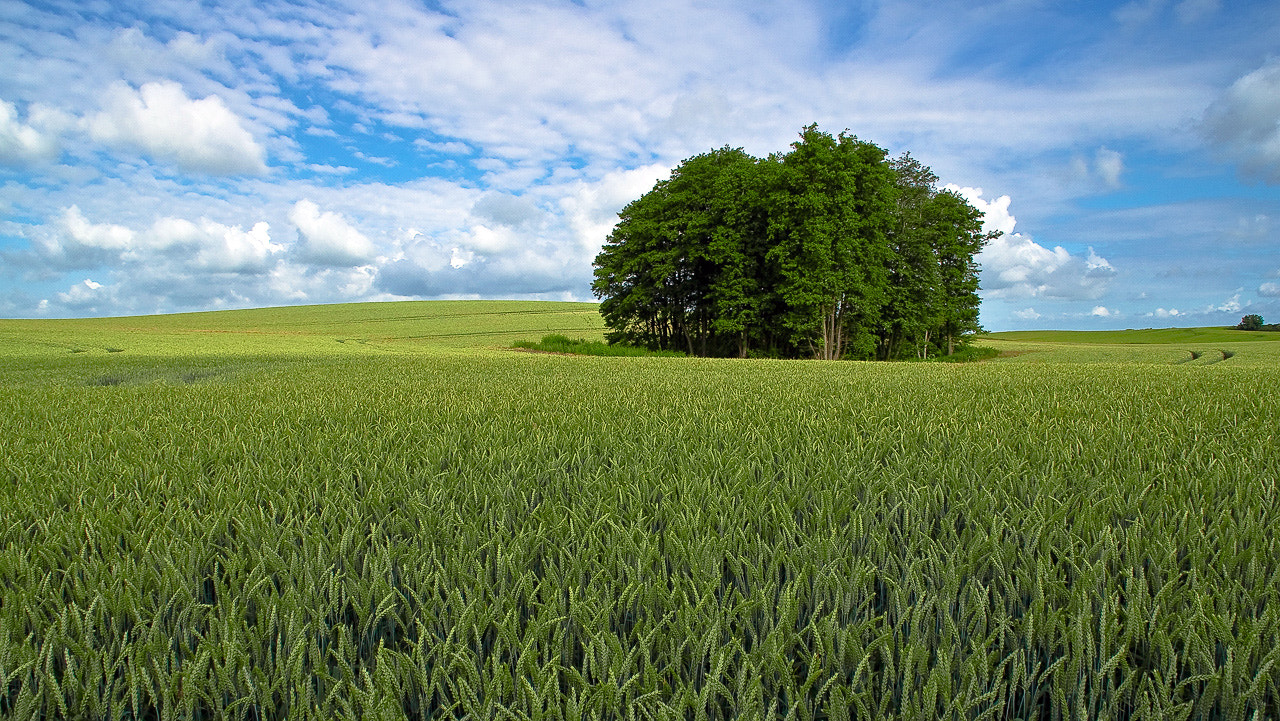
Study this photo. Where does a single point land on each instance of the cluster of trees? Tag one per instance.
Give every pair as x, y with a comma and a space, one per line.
1254, 321
831, 250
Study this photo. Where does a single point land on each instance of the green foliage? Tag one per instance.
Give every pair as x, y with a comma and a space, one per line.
556, 343
1255, 322
1250, 322
424, 529
681, 269
830, 250
830, 213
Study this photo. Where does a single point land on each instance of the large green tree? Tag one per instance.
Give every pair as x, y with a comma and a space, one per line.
829, 216
957, 238
933, 275
829, 250
680, 270
914, 282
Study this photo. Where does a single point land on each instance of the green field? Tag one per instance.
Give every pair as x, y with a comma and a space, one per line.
381, 511
1158, 346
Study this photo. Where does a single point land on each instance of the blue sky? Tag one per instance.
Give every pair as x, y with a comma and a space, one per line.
173, 156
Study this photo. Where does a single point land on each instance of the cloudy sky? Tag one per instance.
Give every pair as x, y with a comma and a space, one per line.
172, 155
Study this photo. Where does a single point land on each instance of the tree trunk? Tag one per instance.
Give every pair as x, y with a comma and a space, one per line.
831, 333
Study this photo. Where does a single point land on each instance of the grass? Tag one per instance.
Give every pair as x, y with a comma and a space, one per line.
384, 512
220, 344
1161, 336
1166, 346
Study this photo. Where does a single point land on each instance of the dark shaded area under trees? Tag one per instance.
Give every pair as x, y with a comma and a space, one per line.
831, 250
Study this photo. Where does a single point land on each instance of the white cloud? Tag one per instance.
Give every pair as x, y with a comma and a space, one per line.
446, 148
1166, 313
1231, 305
1245, 121
87, 296
22, 143
1098, 265
591, 209
214, 247
1102, 172
995, 213
1026, 314
175, 244
1102, 311
84, 234
489, 241
507, 210
1109, 164
324, 169
1269, 290
72, 241
159, 119
1015, 266
459, 257
328, 239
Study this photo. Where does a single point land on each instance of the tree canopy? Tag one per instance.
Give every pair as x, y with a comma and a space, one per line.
831, 250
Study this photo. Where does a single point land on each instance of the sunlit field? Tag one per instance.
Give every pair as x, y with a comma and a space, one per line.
383, 511
1160, 346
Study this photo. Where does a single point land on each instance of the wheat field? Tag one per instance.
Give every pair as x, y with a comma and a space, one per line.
383, 512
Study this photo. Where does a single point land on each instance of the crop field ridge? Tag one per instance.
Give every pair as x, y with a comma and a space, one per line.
308, 529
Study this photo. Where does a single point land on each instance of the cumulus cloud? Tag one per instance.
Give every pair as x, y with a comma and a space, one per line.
72, 241
22, 143
1015, 266
327, 239
480, 278
170, 244
1026, 314
87, 296
1231, 305
506, 209
1165, 313
158, 119
459, 257
219, 248
995, 213
486, 240
1102, 311
1269, 290
591, 208
1245, 121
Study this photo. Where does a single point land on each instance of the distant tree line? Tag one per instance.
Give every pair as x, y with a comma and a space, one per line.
1254, 321
831, 250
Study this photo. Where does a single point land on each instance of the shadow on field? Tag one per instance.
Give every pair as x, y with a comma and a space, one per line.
170, 376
